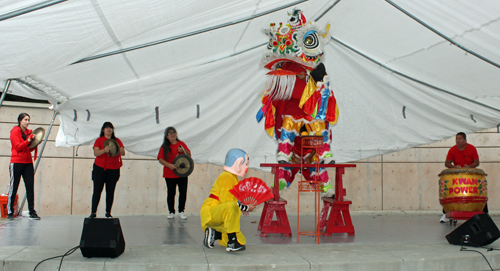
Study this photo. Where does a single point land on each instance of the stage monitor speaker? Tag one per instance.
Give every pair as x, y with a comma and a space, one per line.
102, 237
479, 230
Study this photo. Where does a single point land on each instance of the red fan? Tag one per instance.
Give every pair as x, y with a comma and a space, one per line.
252, 191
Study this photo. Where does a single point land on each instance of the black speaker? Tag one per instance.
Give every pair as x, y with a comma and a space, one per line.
102, 237
479, 230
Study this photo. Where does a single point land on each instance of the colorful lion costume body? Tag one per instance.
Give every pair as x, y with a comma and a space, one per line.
298, 97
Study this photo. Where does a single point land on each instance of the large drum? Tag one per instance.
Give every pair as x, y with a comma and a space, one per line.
463, 189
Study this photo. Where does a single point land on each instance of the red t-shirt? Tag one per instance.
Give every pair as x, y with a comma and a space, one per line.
464, 157
104, 160
174, 151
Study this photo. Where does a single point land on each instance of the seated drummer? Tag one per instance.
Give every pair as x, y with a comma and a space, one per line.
462, 155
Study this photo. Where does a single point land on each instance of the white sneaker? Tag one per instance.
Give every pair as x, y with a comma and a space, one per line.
183, 216
444, 219
171, 216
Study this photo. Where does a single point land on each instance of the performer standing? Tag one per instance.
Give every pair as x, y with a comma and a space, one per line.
221, 211
462, 155
106, 169
21, 164
172, 147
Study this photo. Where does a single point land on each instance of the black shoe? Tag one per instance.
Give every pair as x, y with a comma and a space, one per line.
233, 245
34, 216
108, 215
209, 239
92, 215
10, 217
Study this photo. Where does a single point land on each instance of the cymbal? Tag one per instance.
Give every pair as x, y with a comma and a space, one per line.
185, 165
39, 133
114, 148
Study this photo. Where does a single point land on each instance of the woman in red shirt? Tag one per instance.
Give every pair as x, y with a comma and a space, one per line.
171, 147
21, 164
106, 169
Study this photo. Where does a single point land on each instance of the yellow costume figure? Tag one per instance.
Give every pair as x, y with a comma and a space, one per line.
223, 215
221, 211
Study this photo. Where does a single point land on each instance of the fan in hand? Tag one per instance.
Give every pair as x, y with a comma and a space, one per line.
252, 191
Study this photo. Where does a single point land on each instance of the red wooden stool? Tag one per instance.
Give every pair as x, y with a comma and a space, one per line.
339, 220
281, 225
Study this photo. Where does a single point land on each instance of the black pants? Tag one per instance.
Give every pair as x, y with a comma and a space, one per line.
171, 187
100, 177
17, 170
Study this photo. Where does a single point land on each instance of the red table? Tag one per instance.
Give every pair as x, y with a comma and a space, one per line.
266, 225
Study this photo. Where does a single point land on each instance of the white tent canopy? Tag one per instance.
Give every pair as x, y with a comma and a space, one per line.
404, 73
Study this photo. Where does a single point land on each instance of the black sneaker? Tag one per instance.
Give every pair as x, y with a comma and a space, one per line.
108, 215
92, 215
209, 239
10, 217
233, 246
34, 217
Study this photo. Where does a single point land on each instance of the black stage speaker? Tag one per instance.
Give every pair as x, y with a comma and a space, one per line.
102, 237
479, 230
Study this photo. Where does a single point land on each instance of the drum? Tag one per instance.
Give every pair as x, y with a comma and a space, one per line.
463, 189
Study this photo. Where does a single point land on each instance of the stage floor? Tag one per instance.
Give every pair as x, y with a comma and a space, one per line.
383, 241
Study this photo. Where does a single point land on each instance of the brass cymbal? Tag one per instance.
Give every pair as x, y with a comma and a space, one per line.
39, 133
114, 148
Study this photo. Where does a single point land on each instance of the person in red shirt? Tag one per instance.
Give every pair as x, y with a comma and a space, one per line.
170, 148
462, 155
106, 169
21, 164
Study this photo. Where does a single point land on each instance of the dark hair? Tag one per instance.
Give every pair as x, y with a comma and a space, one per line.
19, 119
462, 134
108, 124
166, 142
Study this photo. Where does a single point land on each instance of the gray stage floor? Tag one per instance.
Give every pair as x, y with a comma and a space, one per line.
383, 241
158, 230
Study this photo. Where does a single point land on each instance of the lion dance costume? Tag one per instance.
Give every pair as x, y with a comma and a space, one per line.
298, 97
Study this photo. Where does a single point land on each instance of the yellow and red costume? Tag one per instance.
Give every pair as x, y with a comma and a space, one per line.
298, 94
220, 210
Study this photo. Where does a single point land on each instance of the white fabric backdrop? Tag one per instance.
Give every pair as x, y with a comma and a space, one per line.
219, 70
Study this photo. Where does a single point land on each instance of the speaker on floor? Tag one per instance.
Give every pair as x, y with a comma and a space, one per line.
102, 237
479, 230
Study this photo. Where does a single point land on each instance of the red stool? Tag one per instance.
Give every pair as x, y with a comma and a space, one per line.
339, 220
281, 225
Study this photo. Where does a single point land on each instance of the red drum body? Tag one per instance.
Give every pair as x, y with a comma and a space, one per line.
463, 189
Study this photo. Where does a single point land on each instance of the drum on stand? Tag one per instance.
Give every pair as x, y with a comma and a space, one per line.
463, 190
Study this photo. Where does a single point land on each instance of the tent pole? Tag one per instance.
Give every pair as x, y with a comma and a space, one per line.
29, 9
185, 35
40, 155
4, 93
443, 35
411, 78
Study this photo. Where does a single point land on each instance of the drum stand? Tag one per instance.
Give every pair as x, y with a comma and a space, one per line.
453, 216
315, 186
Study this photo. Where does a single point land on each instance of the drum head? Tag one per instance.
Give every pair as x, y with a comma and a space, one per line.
462, 171
185, 165
114, 148
39, 134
